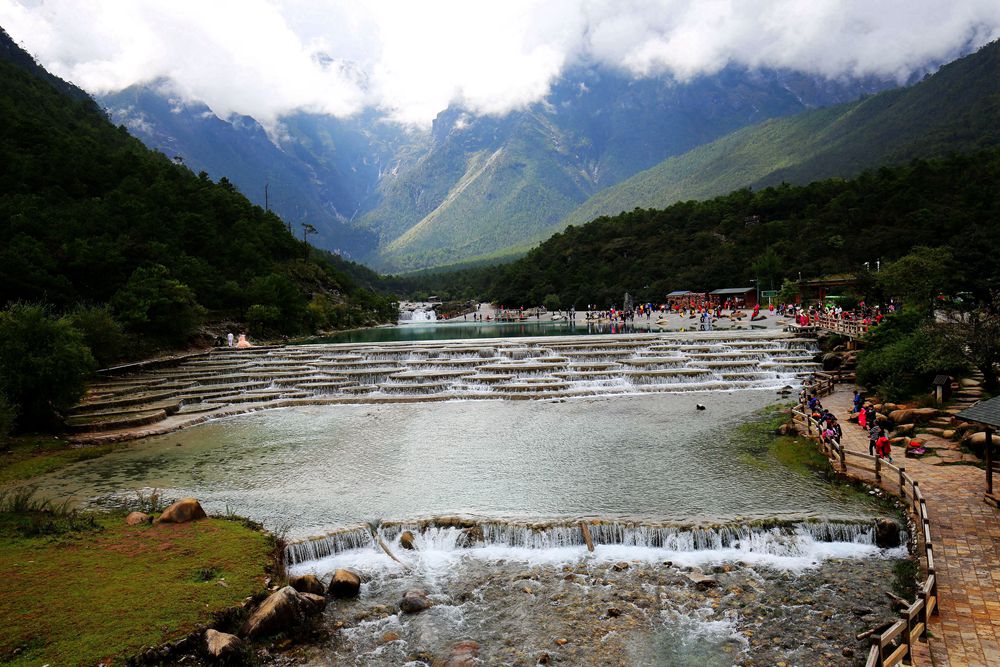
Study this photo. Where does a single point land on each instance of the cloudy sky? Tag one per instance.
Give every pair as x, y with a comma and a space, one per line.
412, 58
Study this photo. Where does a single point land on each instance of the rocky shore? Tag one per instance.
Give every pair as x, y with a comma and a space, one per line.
621, 613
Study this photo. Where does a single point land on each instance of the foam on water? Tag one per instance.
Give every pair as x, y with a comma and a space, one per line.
792, 546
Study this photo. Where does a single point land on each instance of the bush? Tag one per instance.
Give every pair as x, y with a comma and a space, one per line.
101, 332
153, 304
8, 416
44, 362
551, 302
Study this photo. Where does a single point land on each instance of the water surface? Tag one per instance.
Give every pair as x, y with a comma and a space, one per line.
316, 468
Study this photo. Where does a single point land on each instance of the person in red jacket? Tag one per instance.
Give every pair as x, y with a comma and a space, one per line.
883, 449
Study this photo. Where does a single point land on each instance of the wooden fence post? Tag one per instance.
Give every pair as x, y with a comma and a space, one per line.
878, 469
902, 483
843, 459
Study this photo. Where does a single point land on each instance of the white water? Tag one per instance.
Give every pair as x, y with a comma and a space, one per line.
791, 547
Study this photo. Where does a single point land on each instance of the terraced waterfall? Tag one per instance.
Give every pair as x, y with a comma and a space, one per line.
229, 381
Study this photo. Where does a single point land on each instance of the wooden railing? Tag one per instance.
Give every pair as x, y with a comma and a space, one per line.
894, 644
850, 328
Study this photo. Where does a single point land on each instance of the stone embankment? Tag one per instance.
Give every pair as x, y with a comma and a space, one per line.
231, 381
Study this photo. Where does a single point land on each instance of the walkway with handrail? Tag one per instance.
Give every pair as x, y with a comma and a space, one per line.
966, 549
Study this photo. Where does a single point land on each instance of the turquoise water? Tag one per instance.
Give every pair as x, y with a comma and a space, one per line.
458, 330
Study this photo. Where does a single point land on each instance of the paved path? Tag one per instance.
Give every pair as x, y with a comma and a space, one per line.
966, 533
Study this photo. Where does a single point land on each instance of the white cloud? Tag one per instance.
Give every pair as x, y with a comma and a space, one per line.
413, 58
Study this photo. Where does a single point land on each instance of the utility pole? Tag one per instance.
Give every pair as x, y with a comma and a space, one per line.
307, 229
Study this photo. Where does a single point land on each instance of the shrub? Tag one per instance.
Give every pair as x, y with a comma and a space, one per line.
8, 416
101, 332
153, 304
43, 363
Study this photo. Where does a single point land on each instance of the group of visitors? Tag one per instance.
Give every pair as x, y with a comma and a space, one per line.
830, 429
864, 313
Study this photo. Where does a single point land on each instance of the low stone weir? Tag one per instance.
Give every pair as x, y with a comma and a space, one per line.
781, 539
228, 381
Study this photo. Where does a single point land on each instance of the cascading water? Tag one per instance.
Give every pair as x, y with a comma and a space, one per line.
412, 313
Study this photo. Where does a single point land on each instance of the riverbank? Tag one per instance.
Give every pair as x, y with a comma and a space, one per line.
87, 589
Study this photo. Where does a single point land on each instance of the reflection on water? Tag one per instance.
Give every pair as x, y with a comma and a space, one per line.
319, 467
457, 330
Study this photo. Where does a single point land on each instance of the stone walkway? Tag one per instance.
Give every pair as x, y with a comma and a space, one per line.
966, 534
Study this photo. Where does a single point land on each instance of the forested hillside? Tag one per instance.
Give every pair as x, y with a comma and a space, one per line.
827, 227
87, 213
955, 110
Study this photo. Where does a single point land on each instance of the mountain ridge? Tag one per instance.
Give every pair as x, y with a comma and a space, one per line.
955, 109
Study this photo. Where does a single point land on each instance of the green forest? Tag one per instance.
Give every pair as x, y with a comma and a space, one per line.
777, 233
112, 251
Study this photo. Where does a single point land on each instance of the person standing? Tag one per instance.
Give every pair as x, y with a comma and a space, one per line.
229, 339
874, 431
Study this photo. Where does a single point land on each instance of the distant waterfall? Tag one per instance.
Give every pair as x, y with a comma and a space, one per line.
411, 313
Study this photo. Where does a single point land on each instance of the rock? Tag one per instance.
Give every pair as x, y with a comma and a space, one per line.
832, 361
470, 537
614, 612
312, 603
390, 637
344, 584
184, 510
307, 583
406, 540
137, 518
969, 382
414, 601
886, 533
562, 641
222, 644
905, 429
913, 415
701, 580
283, 610
620, 566
463, 654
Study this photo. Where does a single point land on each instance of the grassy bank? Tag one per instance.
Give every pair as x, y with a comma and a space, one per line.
87, 589
760, 443
28, 456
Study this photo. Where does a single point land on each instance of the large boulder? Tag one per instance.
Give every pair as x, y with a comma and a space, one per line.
137, 518
976, 442
307, 583
221, 645
285, 609
886, 533
184, 510
913, 415
904, 429
344, 584
414, 601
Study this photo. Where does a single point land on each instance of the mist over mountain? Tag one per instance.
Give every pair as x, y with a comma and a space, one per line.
472, 185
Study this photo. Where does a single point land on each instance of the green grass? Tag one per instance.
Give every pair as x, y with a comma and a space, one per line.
761, 444
30, 456
96, 595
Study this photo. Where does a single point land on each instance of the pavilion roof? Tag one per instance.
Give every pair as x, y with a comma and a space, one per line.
984, 412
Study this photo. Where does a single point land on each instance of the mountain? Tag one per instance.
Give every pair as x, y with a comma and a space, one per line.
956, 109
91, 216
489, 183
317, 169
783, 232
472, 186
